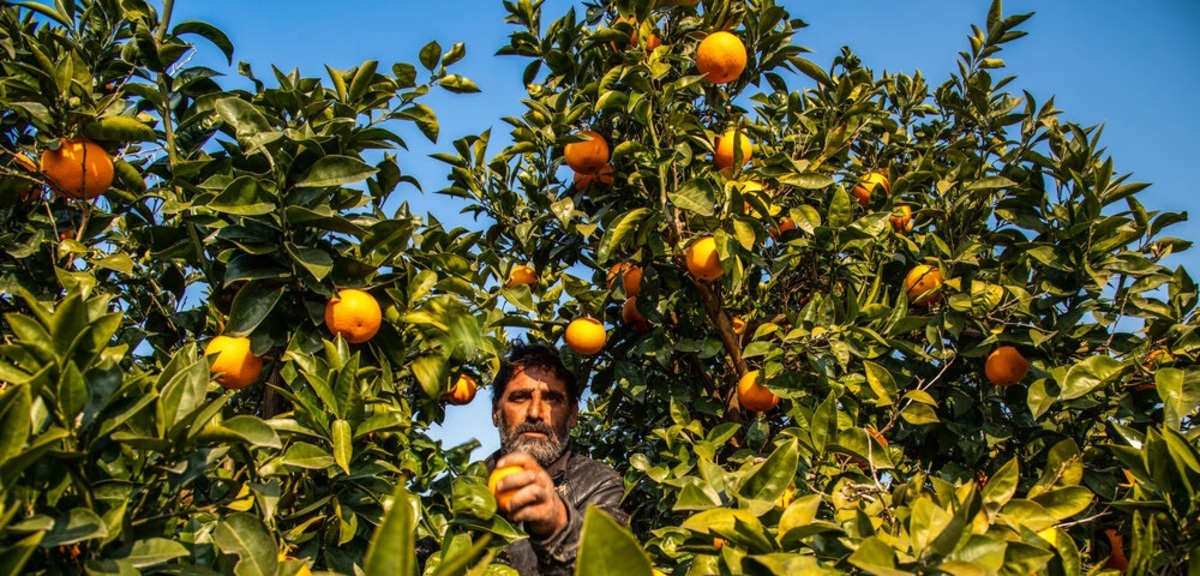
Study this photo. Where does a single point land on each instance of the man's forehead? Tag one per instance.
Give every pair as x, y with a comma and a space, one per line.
536, 377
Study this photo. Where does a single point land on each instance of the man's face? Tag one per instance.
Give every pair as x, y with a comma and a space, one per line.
534, 414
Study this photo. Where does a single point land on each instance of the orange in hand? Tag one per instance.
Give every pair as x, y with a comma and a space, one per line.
502, 498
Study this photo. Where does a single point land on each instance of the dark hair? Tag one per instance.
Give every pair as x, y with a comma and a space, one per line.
533, 355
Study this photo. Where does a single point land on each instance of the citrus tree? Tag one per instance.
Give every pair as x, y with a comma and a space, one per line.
837, 321
225, 334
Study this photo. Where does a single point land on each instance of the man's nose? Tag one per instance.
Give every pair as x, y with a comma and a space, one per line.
537, 409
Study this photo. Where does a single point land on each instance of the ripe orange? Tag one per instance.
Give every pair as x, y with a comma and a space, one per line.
739, 325
1157, 357
901, 219
463, 391
920, 280
631, 315
632, 281
754, 396
235, 366
79, 169
723, 151
631, 277
785, 225
1116, 555
871, 183
589, 156
604, 176
1005, 366
521, 275
719, 542
353, 314
702, 259
653, 42
586, 335
502, 498
721, 57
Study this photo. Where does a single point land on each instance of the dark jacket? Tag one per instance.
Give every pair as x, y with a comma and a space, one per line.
580, 482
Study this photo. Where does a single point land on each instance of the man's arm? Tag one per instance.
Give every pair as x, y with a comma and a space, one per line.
597, 485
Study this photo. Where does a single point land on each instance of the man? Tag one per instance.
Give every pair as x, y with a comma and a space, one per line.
535, 403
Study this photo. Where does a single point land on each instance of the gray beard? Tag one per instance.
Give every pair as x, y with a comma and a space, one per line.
545, 451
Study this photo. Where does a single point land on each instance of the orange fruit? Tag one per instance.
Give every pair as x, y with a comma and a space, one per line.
586, 335
354, 315
901, 219
785, 225
872, 182
631, 315
739, 325
632, 281
754, 396
1116, 555
878, 436
462, 392
653, 42
589, 156
1158, 356
702, 259
235, 366
718, 543
723, 151
921, 279
502, 498
521, 275
79, 169
1005, 366
721, 57
604, 176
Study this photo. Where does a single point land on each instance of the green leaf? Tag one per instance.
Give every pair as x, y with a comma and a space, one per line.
243, 535
120, 129
242, 428
875, 556
316, 261
1179, 390
807, 180
16, 554
110, 567
14, 420
425, 119
430, 54
695, 196
336, 170
251, 306
1092, 373
459, 84
927, 522
245, 196
152, 552
1001, 487
624, 227
470, 496
607, 549
765, 483
119, 262
208, 32
990, 183
919, 415
363, 78
307, 456
78, 525
391, 547
1064, 503
882, 383
72, 392
431, 372
343, 446
840, 214
243, 116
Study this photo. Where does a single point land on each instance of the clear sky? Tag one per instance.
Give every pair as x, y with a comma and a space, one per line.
1130, 66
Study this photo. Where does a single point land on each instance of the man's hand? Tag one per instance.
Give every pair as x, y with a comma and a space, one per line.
534, 500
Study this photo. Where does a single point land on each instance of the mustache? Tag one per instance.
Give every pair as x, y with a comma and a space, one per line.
539, 427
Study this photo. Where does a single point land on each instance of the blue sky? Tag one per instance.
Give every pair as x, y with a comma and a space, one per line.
1130, 66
